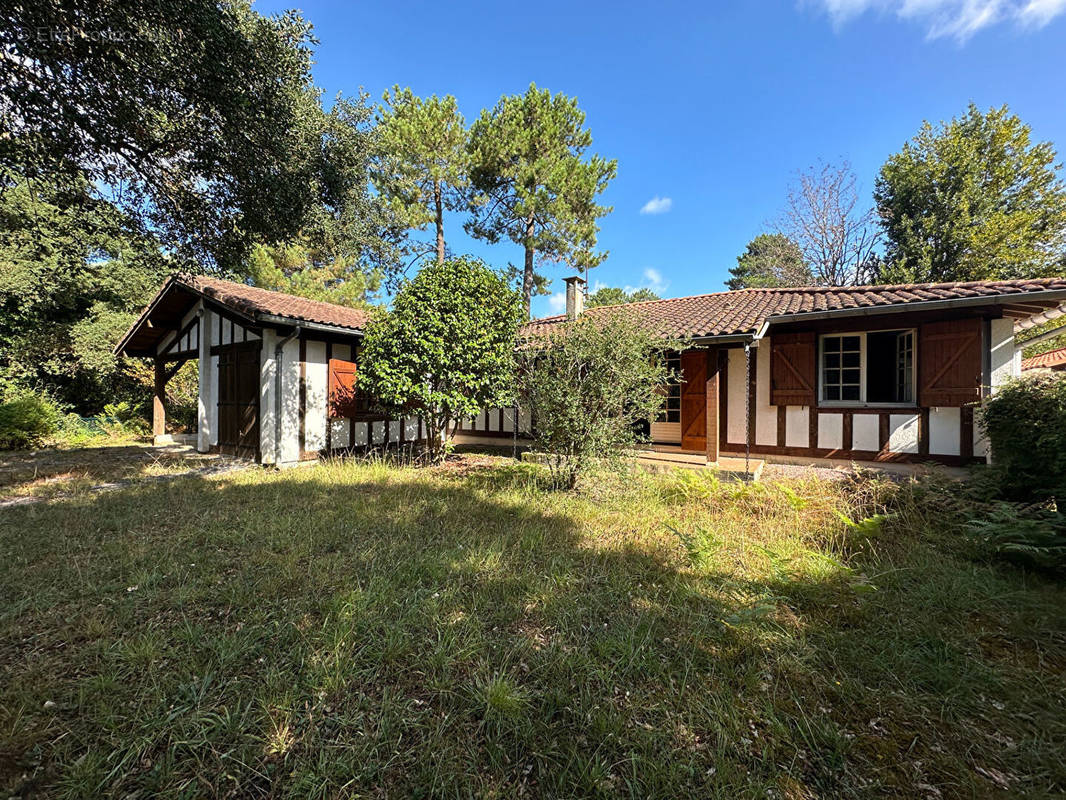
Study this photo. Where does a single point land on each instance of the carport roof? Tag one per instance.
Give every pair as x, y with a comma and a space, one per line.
258, 306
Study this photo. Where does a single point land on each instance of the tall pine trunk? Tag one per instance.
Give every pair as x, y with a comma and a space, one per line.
437, 199
527, 272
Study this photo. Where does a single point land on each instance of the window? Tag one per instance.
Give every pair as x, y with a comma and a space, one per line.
870, 368
671, 411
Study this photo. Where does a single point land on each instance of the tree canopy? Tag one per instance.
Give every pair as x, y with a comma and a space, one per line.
770, 260
197, 117
972, 199
613, 296
74, 272
414, 357
423, 159
533, 183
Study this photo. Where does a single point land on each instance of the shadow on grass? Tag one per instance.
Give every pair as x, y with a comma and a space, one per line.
335, 631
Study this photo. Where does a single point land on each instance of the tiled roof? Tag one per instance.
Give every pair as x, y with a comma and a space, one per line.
254, 302
745, 310
1048, 360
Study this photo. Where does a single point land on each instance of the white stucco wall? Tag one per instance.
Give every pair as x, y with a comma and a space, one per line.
797, 426
945, 431
736, 390
865, 432
903, 433
316, 383
1003, 362
830, 431
765, 414
290, 400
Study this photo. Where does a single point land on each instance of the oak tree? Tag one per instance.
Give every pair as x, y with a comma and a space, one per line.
972, 199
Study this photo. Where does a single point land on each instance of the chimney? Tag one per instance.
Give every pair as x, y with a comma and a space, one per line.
575, 296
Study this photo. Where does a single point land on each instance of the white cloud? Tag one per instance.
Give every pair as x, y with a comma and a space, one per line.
557, 302
957, 19
653, 279
657, 205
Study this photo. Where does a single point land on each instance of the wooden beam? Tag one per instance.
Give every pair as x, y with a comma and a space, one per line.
712, 404
159, 414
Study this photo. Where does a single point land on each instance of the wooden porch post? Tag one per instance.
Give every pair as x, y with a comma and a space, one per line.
159, 414
712, 406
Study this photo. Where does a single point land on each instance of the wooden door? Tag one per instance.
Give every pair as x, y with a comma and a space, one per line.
238, 399
694, 400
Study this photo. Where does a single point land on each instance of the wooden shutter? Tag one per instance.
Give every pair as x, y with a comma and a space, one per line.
341, 388
949, 362
792, 369
694, 400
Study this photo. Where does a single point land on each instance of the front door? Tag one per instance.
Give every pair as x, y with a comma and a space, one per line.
238, 399
694, 400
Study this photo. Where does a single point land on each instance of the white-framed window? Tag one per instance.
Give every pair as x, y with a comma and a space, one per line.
871, 368
671, 410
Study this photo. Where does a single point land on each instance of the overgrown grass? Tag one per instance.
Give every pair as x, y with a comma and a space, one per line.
374, 630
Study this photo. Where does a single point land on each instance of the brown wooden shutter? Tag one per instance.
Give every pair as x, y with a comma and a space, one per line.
341, 388
949, 362
792, 369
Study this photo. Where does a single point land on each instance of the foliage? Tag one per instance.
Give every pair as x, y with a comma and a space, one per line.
613, 296
588, 389
300, 269
446, 349
835, 233
1025, 421
532, 183
423, 164
1022, 339
74, 272
199, 118
770, 260
27, 420
972, 199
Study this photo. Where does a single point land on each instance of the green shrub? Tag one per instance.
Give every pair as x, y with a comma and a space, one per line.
588, 388
1025, 422
27, 420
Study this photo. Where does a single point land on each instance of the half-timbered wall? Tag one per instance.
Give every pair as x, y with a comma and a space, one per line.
859, 433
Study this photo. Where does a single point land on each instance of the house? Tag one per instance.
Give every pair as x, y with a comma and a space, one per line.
276, 372
881, 373
868, 373
1053, 359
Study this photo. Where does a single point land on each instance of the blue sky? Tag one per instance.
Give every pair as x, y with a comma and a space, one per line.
709, 108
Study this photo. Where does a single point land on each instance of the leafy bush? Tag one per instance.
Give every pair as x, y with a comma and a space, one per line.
446, 349
27, 420
1025, 422
588, 389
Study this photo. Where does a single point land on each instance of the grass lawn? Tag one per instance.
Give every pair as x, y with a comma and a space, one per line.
347, 630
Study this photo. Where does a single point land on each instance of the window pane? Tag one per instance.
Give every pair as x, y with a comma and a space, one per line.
851, 359
831, 344
851, 342
832, 359
850, 393
832, 392
852, 376
832, 376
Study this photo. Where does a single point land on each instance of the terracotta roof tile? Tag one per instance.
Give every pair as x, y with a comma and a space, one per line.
253, 301
744, 311
1048, 360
